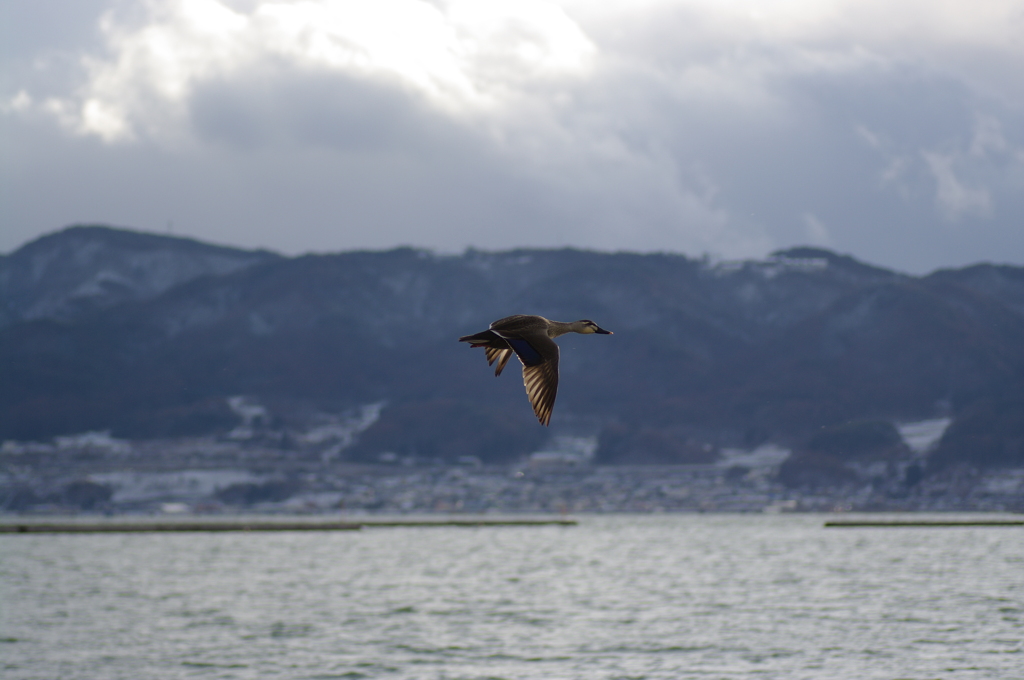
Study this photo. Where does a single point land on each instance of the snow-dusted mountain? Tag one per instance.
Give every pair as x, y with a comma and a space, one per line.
705, 355
85, 268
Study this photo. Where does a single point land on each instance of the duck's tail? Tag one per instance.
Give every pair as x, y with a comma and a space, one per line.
481, 339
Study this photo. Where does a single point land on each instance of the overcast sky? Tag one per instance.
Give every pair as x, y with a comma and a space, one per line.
892, 130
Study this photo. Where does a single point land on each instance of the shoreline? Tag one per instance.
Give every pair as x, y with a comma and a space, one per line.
249, 524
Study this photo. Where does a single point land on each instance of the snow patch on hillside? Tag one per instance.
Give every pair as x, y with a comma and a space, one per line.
922, 436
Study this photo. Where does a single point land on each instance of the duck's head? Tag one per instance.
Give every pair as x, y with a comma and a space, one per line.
588, 326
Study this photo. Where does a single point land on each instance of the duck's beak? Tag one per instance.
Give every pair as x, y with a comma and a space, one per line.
603, 332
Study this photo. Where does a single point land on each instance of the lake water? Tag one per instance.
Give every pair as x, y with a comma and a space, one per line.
685, 596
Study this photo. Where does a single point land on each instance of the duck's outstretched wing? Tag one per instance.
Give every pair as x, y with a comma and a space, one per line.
539, 355
541, 387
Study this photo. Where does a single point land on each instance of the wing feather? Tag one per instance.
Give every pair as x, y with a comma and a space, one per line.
500, 355
495, 347
541, 383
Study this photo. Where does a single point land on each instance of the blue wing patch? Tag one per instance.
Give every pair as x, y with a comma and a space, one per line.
525, 351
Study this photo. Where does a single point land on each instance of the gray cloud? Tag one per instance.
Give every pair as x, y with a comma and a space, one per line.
662, 126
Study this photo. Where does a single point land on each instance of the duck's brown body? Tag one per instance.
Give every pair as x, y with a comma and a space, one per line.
530, 338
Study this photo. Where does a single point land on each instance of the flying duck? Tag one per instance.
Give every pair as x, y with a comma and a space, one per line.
530, 337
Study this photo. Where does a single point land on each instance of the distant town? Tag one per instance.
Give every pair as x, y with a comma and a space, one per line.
243, 472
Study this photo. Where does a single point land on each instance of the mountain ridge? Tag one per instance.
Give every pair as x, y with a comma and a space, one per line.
705, 354
83, 268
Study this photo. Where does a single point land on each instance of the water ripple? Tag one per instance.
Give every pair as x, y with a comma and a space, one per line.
717, 597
